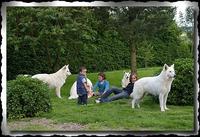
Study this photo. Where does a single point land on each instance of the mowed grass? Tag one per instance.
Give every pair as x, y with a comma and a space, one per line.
118, 115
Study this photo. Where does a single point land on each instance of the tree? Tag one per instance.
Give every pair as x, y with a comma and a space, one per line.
187, 26
130, 25
138, 24
190, 15
43, 39
145, 52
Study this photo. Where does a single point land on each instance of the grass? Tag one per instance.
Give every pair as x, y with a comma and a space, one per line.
118, 115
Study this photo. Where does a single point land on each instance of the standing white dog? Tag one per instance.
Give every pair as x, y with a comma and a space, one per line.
125, 79
73, 90
158, 85
55, 80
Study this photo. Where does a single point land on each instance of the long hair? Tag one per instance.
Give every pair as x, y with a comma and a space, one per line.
132, 75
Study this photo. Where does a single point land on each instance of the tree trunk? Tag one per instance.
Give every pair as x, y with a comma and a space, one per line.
133, 59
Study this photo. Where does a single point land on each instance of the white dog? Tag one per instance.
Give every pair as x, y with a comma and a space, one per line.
73, 92
55, 80
159, 85
125, 79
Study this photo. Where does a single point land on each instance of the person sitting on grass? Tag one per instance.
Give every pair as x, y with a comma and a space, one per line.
119, 93
102, 84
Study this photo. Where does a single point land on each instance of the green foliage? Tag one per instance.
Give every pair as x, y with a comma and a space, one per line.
145, 53
182, 90
27, 97
47, 38
42, 39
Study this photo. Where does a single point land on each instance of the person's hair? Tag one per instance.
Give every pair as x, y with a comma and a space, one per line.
102, 75
132, 75
82, 68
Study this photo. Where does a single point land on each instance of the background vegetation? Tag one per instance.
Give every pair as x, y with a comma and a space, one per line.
43, 39
27, 97
183, 87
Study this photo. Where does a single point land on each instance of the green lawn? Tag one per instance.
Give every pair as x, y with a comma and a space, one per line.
118, 115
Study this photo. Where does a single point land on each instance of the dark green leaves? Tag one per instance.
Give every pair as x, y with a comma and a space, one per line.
26, 97
42, 39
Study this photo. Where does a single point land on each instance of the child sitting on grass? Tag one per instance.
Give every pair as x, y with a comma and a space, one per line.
102, 84
119, 93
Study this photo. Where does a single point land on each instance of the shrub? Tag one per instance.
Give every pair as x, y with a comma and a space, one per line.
182, 89
27, 97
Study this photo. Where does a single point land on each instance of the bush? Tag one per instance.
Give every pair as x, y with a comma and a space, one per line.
182, 89
27, 97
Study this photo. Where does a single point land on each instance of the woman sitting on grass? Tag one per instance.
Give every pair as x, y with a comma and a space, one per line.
119, 93
102, 84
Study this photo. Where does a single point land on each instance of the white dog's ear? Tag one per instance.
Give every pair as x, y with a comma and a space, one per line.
124, 71
66, 66
165, 67
172, 65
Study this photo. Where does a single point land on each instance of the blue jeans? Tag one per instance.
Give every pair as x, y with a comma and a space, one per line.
98, 93
119, 94
82, 99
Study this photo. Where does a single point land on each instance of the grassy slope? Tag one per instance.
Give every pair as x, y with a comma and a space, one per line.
119, 115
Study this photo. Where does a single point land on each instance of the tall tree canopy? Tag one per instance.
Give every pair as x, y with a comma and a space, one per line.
43, 39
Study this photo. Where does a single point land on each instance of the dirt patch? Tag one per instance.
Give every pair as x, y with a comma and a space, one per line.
43, 124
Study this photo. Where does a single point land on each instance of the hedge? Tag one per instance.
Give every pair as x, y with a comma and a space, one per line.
27, 97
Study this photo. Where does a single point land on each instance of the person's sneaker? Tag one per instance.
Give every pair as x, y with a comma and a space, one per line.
97, 101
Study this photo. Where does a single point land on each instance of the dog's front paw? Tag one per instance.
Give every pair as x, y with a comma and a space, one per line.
162, 110
166, 108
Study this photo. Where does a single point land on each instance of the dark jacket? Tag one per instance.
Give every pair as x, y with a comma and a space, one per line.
129, 88
80, 85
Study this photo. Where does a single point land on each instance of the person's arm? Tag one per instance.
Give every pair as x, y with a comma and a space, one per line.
95, 86
84, 81
86, 87
107, 86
